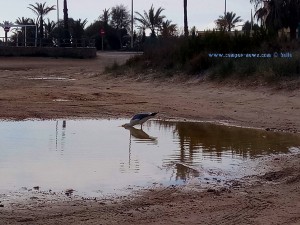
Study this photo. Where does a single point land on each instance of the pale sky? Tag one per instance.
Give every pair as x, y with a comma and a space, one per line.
201, 13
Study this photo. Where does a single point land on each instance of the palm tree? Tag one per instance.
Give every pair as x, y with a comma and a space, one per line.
151, 19
168, 29
186, 28
228, 22
270, 14
221, 23
260, 15
232, 20
77, 28
49, 27
276, 14
41, 10
24, 21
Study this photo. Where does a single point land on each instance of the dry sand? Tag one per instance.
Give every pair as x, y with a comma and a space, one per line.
49, 88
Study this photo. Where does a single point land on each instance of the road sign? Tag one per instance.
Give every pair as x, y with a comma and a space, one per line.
6, 29
102, 32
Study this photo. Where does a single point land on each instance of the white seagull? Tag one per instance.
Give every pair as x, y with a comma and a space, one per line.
140, 118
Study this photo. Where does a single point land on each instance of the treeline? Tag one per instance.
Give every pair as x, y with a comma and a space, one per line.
111, 30
114, 22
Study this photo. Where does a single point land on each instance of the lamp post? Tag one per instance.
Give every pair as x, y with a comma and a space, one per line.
131, 24
57, 9
225, 9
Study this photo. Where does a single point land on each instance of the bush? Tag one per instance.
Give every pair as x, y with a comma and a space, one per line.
191, 56
222, 69
199, 63
285, 67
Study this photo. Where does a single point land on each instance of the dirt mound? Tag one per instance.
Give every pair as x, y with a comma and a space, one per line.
277, 175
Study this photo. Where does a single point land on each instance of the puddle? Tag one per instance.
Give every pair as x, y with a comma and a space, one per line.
96, 157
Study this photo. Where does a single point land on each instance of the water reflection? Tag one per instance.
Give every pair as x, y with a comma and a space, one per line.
215, 140
98, 156
138, 136
184, 171
58, 137
141, 136
204, 145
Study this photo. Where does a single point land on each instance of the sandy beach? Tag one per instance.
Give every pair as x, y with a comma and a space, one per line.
50, 88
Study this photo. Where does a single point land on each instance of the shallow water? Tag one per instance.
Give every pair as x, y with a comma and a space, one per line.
96, 157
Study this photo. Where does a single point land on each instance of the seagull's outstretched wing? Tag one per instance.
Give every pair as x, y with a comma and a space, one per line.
141, 116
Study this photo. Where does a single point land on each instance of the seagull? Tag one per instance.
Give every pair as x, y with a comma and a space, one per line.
140, 118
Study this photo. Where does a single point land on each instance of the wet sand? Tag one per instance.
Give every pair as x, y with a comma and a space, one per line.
48, 88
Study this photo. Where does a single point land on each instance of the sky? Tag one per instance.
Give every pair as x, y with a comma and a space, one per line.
201, 13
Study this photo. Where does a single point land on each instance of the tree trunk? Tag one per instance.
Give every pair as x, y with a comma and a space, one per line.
41, 28
186, 29
67, 36
66, 17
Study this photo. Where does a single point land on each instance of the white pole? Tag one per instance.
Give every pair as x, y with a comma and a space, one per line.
132, 24
57, 9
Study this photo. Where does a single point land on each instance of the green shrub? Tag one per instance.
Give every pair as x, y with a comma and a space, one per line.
225, 69
199, 63
190, 56
246, 67
285, 67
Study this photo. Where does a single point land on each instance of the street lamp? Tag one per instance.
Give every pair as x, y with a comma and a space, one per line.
225, 9
57, 9
131, 24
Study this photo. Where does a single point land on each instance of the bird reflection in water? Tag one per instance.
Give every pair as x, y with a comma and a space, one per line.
139, 136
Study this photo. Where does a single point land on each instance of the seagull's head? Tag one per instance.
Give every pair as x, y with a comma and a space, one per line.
127, 125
